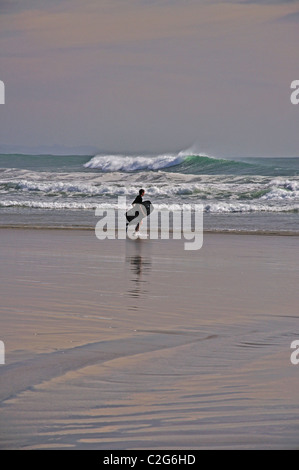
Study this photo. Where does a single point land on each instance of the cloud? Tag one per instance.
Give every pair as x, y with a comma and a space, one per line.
291, 17
18, 6
271, 2
261, 2
7, 6
134, 74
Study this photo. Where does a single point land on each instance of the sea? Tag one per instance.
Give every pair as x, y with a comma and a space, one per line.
236, 195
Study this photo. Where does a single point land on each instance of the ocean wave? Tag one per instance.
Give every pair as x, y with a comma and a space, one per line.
52, 205
156, 190
90, 189
185, 162
206, 188
280, 194
189, 162
111, 163
60, 187
282, 189
213, 207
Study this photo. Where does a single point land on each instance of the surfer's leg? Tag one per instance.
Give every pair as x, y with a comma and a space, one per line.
137, 228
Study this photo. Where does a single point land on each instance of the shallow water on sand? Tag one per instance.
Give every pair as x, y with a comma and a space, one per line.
140, 344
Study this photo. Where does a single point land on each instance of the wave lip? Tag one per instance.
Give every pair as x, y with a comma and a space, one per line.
185, 162
111, 163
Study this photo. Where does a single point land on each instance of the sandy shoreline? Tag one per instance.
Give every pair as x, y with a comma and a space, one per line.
205, 231
126, 345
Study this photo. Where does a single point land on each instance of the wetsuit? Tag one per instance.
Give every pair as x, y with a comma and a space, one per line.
137, 200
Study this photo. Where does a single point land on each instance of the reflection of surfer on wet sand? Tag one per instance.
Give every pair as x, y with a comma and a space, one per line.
136, 263
139, 266
139, 210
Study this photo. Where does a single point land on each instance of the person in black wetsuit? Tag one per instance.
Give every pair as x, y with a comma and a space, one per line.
137, 200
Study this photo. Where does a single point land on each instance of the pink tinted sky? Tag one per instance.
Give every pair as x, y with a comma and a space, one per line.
129, 75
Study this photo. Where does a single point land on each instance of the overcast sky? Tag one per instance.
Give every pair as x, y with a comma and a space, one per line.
154, 75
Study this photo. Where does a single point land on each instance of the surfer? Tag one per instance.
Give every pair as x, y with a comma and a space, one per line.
137, 200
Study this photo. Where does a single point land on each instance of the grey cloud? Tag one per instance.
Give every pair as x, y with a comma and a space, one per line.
7, 6
291, 17
271, 2
261, 2
16, 6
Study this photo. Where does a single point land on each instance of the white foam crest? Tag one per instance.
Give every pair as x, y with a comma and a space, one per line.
111, 163
198, 189
221, 208
192, 151
215, 207
50, 205
113, 189
280, 194
290, 185
71, 187
282, 189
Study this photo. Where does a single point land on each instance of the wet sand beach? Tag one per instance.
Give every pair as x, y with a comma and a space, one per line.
121, 344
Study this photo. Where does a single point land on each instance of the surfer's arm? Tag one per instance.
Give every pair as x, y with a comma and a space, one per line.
137, 200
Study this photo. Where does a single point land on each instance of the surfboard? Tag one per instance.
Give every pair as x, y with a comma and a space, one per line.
139, 210
135, 216
148, 206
